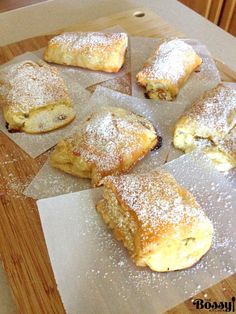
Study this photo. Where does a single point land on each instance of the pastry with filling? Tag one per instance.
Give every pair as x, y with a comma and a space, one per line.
210, 124
92, 50
108, 141
159, 222
34, 98
223, 155
168, 68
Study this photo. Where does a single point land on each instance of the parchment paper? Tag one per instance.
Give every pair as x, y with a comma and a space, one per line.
51, 182
86, 77
35, 145
207, 78
93, 271
24, 56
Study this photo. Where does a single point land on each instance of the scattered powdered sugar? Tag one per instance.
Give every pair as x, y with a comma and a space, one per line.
169, 61
29, 85
13, 184
91, 258
120, 84
89, 40
215, 110
109, 135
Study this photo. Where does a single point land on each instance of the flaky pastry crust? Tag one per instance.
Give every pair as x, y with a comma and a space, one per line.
159, 222
92, 50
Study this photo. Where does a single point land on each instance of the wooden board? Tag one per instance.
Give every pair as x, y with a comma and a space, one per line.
22, 246
6, 5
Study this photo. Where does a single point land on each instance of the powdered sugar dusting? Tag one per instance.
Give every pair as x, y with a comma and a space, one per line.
105, 265
215, 110
199, 81
88, 40
156, 198
106, 136
169, 61
120, 84
228, 144
29, 85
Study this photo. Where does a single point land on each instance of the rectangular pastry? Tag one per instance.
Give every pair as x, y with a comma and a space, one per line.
34, 98
159, 222
108, 141
210, 124
168, 68
91, 50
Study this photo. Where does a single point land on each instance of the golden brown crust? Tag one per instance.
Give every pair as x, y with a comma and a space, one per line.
159, 222
209, 123
109, 141
34, 98
169, 67
93, 50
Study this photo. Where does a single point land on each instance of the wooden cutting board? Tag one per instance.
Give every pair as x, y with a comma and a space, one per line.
22, 246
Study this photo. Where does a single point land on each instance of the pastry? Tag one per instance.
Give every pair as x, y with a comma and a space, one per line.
94, 51
34, 98
223, 155
210, 124
159, 222
168, 68
108, 141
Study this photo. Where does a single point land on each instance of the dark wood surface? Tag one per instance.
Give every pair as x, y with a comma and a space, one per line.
220, 12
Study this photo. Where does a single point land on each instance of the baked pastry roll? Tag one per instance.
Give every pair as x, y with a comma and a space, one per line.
94, 51
34, 98
108, 141
210, 124
168, 68
159, 222
223, 155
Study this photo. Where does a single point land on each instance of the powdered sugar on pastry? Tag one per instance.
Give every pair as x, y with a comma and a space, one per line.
105, 138
215, 110
156, 198
88, 41
29, 85
169, 61
228, 144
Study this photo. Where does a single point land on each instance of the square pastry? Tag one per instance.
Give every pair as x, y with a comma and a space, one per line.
92, 50
34, 98
210, 124
108, 141
158, 221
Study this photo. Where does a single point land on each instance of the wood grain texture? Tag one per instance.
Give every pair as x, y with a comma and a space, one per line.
232, 25
215, 11
228, 15
200, 6
22, 246
220, 12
